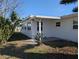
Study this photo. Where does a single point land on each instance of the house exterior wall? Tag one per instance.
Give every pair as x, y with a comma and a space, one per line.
48, 30
48, 27
65, 31
34, 29
26, 31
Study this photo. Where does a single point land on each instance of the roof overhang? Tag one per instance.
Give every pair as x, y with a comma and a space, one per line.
45, 17
70, 16
31, 17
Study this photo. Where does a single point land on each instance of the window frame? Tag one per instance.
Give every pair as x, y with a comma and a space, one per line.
58, 24
75, 24
38, 26
29, 26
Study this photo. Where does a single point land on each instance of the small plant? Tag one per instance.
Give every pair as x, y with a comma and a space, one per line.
39, 37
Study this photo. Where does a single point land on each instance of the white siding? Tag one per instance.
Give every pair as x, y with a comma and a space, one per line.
48, 28
65, 31
26, 31
34, 28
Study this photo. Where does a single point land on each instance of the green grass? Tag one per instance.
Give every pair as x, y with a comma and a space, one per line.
1, 46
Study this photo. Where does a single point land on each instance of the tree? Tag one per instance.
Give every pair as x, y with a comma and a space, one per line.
6, 25
69, 2
14, 21
7, 6
1, 27
4, 29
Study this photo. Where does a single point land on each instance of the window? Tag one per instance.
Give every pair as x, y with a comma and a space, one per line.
29, 25
41, 26
57, 24
38, 26
75, 24
22, 27
25, 28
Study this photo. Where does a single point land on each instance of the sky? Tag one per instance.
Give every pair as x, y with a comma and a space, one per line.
43, 8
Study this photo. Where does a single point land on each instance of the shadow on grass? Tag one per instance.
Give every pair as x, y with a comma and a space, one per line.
14, 51
61, 43
50, 56
18, 36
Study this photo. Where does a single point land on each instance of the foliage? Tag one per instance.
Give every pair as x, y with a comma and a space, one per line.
4, 29
69, 2
75, 9
7, 26
39, 38
7, 6
14, 20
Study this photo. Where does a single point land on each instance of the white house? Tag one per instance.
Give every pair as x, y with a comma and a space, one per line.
65, 27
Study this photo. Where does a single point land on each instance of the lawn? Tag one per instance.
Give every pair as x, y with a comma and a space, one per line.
47, 50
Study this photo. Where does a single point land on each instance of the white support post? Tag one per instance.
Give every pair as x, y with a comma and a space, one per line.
40, 29
39, 26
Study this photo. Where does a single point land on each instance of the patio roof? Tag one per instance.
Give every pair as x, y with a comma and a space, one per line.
50, 17
45, 17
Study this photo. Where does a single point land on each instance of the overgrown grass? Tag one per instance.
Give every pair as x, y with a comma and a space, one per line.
42, 51
39, 49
